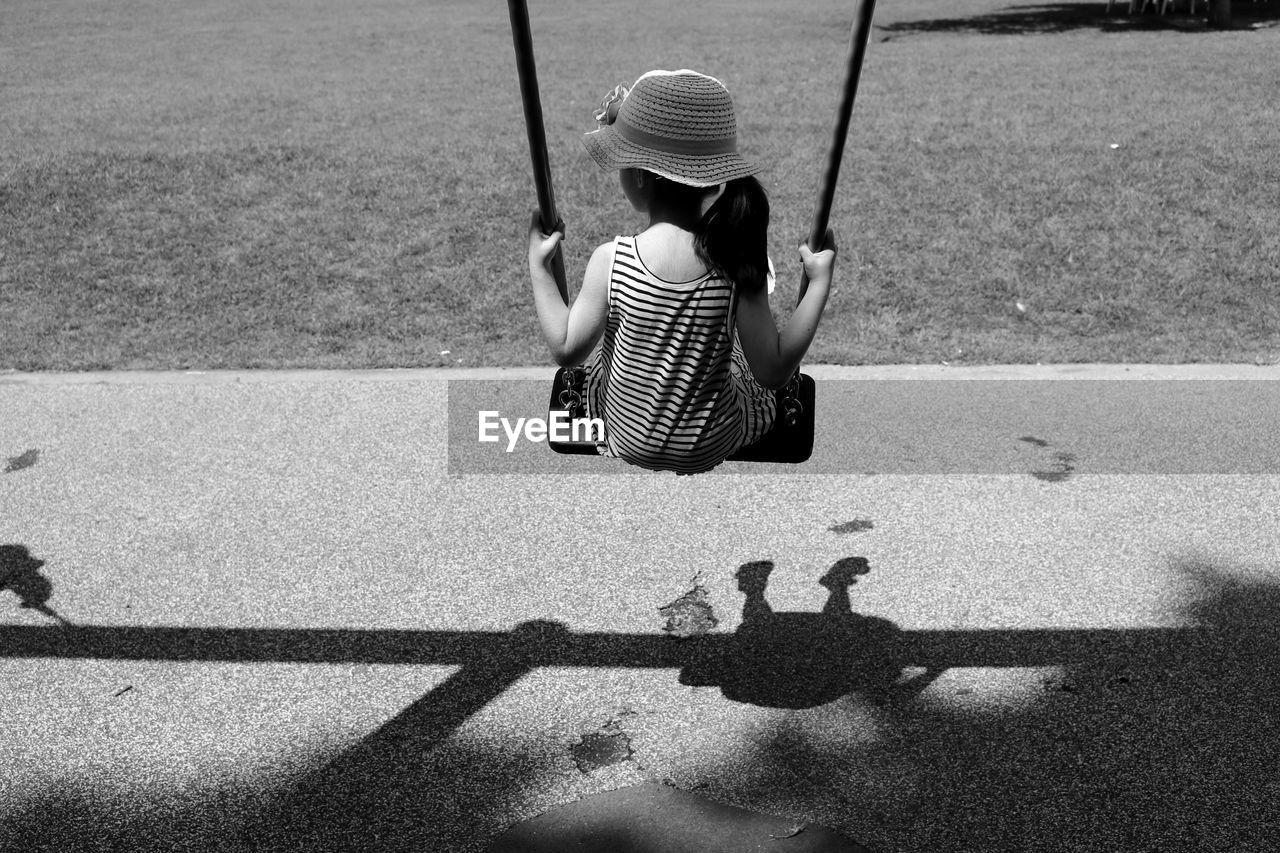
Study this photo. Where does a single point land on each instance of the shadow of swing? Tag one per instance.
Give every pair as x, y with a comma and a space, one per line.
774, 659
797, 660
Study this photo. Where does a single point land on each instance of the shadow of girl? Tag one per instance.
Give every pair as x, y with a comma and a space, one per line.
795, 659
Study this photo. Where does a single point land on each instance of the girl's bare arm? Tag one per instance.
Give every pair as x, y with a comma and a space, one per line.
571, 332
773, 355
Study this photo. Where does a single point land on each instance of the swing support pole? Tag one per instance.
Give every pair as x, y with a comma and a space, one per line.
831, 169
520, 32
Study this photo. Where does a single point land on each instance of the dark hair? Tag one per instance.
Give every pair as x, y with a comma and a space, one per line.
733, 237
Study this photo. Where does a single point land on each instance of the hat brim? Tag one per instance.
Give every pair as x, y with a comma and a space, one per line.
610, 151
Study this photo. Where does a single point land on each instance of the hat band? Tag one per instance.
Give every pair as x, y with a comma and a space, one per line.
667, 145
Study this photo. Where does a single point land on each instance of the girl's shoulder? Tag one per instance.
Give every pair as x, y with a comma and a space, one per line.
608, 250
601, 263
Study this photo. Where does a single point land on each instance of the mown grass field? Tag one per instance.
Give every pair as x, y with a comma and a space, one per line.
326, 184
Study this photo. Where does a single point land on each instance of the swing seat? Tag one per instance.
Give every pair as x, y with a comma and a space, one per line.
791, 438
790, 441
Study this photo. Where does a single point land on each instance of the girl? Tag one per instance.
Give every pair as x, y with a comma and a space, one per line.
688, 347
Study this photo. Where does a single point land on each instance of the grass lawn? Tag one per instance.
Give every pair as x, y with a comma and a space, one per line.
325, 184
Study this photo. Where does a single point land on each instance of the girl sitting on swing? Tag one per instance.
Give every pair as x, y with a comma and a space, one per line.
688, 346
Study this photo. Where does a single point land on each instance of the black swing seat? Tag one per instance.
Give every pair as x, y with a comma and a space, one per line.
791, 438
789, 441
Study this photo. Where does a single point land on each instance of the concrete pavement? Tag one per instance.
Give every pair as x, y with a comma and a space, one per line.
1035, 610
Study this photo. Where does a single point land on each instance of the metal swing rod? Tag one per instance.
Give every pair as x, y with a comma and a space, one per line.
835, 152
537, 133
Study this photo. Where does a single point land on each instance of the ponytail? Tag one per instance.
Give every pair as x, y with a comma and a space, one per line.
732, 238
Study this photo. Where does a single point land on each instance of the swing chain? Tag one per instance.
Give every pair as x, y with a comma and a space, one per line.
792, 408
571, 396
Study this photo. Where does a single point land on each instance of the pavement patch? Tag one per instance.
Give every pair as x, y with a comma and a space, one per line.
604, 748
857, 525
23, 460
690, 615
1061, 464
1064, 465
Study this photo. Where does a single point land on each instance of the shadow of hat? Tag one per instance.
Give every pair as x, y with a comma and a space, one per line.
16, 560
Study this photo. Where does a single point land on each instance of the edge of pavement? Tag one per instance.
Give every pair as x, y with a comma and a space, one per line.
1228, 372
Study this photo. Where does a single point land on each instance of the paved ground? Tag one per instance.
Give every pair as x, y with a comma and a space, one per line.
310, 611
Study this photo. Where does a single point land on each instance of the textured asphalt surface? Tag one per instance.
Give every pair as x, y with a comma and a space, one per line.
1036, 609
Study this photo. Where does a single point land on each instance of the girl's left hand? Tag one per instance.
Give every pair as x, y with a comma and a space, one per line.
541, 246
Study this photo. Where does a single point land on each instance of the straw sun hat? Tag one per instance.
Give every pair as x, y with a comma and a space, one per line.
677, 124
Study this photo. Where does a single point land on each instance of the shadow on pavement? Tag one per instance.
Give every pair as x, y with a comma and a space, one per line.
1143, 738
797, 660
457, 799
1054, 18
1160, 739
20, 573
623, 820
403, 784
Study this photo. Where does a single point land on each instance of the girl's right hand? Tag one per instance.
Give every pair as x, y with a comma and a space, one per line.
541, 246
819, 265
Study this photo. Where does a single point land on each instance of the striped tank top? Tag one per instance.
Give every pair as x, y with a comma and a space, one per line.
669, 379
